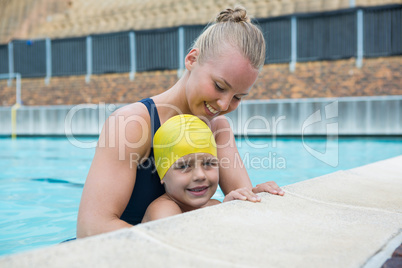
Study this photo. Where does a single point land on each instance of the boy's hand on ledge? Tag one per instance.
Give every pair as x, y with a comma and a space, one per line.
269, 187
242, 194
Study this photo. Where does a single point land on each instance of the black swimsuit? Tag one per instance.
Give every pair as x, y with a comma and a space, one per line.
147, 183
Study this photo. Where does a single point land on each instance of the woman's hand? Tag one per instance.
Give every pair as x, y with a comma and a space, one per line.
269, 187
242, 194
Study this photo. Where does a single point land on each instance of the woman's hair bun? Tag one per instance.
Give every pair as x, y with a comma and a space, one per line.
238, 14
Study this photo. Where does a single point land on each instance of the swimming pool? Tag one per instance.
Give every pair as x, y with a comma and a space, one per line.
41, 179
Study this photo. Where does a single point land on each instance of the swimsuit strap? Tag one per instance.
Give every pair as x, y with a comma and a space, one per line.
147, 186
153, 113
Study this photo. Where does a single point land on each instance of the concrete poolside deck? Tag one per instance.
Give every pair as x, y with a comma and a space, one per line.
348, 218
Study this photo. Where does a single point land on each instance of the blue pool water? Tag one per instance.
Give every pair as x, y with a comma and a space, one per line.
41, 179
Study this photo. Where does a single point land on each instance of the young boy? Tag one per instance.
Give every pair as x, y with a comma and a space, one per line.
186, 161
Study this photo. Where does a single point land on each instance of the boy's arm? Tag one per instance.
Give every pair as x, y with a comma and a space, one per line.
161, 208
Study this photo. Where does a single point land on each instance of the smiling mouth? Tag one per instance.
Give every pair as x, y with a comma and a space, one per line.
211, 109
200, 190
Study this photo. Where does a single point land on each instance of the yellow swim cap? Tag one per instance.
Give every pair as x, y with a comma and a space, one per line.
179, 136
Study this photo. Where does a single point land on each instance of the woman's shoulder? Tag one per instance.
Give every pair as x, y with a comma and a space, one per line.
128, 127
133, 109
131, 118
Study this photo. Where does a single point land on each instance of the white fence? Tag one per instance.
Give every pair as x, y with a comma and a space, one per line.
334, 116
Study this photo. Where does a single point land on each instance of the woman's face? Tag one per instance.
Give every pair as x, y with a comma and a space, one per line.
216, 86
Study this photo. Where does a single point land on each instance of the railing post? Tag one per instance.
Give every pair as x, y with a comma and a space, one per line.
293, 56
181, 52
133, 55
10, 62
360, 36
48, 61
18, 88
89, 59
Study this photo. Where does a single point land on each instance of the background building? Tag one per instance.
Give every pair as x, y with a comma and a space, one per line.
80, 51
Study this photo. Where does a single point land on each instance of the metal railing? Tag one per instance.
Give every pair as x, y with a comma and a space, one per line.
356, 32
18, 101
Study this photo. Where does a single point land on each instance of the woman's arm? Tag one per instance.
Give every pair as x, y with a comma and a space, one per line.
232, 171
111, 178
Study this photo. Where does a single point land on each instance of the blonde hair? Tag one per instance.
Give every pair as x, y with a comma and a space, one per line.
232, 27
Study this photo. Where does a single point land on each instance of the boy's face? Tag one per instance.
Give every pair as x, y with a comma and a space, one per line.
192, 180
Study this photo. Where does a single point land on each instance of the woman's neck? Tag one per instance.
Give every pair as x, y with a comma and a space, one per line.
173, 101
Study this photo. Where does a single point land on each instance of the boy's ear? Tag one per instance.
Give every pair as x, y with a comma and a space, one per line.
191, 59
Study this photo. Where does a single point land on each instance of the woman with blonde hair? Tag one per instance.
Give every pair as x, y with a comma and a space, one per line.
221, 68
